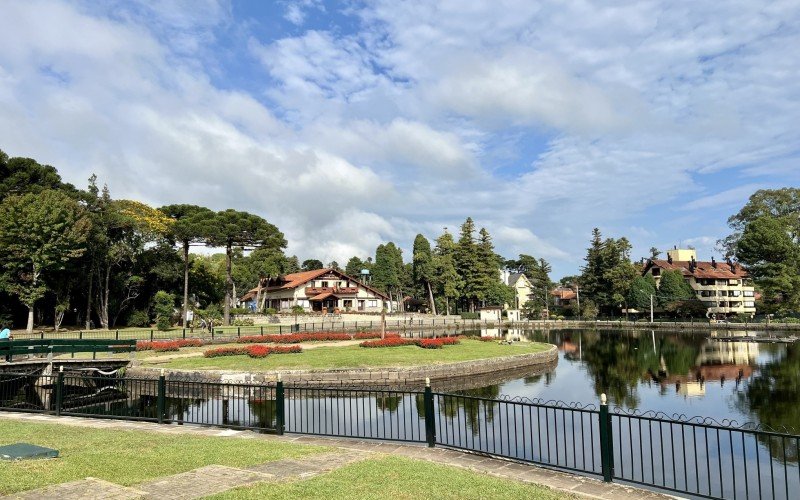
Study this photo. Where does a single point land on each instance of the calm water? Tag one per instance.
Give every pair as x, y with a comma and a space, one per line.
675, 373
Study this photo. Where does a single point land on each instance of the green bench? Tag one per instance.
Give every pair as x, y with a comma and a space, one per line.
11, 348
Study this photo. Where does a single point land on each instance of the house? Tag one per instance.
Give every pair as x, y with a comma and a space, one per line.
318, 290
523, 289
563, 296
724, 287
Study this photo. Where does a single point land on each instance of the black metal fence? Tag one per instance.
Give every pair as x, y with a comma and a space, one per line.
695, 457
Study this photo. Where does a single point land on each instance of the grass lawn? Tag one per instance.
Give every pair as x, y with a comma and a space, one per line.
395, 478
126, 457
360, 357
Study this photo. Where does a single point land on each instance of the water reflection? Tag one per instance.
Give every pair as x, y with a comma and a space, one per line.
691, 373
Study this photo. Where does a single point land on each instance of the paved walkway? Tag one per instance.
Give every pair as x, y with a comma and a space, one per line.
215, 478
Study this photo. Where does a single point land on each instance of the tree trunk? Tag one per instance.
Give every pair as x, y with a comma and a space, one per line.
89, 297
228, 286
185, 283
447, 304
29, 328
430, 298
59, 318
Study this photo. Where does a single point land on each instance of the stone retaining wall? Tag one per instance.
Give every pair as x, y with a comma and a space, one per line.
483, 371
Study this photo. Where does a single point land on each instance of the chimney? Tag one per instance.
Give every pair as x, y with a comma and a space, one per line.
669, 258
713, 263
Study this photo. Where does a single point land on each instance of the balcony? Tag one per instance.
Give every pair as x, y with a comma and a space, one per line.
337, 290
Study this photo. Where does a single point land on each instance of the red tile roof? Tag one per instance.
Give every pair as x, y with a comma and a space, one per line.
703, 269
563, 293
295, 280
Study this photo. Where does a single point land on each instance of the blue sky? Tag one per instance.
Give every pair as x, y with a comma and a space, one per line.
348, 124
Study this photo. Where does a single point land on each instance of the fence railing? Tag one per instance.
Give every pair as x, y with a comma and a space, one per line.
695, 456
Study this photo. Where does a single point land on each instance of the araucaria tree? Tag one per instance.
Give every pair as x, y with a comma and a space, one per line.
38, 234
189, 226
467, 264
231, 228
423, 268
446, 279
607, 276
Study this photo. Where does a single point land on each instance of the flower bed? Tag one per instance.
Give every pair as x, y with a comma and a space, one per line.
436, 343
167, 345
254, 351
295, 338
388, 342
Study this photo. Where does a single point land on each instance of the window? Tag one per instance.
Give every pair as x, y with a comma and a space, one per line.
733, 282
748, 293
734, 293
324, 284
302, 302
348, 303
749, 304
656, 271
372, 303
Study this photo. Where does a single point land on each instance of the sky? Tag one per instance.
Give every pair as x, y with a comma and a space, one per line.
349, 124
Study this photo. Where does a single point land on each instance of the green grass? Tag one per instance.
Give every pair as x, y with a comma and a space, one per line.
125, 457
395, 478
360, 357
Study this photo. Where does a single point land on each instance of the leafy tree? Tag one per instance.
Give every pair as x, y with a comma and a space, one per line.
772, 258
38, 234
642, 287
446, 279
230, 228
388, 271
334, 265
312, 264
499, 294
607, 276
189, 227
589, 310
487, 277
673, 288
782, 205
423, 268
354, 267
261, 263
19, 176
163, 306
467, 263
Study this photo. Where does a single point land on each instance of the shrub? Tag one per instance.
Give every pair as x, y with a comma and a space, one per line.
437, 343
373, 335
240, 310
254, 351
294, 338
271, 311
257, 351
225, 351
138, 319
243, 322
388, 342
164, 306
167, 345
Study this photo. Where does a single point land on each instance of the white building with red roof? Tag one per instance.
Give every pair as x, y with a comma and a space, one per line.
319, 290
724, 287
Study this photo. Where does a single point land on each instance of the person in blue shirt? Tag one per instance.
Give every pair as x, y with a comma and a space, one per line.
5, 334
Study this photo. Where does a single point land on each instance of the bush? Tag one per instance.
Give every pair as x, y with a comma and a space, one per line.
254, 351
139, 319
389, 342
270, 311
243, 322
294, 338
437, 343
373, 335
240, 310
167, 345
788, 319
164, 306
469, 315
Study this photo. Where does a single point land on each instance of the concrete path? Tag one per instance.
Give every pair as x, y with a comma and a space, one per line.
214, 478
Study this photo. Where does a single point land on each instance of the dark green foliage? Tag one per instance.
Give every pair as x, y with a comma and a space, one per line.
138, 318
19, 176
642, 287
312, 264
673, 287
163, 306
607, 276
354, 267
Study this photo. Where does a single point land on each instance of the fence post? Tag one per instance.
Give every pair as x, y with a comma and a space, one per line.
430, 415
184, 333
59, 390
162, 397
606, 443
80, 334
151, 335
280, 416
238, 331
